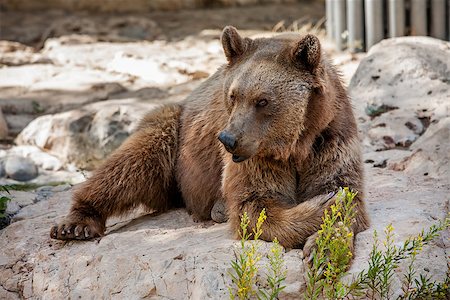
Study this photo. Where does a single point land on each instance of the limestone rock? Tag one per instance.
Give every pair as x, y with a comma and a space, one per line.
394, 130
430, 154
157, 64
383, 159
170, 256
20, 168
401, 96
33, 90
85, 136
39, 157
16, 54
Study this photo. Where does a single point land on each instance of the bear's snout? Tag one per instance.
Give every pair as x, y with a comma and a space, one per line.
228, 140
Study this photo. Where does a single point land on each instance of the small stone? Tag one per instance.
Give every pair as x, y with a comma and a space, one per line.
12, 207
43, 193
20, 168
61, 188
219, 212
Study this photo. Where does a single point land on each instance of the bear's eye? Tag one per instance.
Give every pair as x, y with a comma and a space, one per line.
232, 98
261, 103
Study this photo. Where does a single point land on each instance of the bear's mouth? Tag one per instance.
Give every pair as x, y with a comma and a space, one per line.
238, 159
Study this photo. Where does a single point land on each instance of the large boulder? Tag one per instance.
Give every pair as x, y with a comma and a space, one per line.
86, 136
401, 95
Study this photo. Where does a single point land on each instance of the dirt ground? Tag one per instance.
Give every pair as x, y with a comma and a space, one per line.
32, 28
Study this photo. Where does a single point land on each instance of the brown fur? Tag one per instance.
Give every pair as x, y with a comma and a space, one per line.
295, 134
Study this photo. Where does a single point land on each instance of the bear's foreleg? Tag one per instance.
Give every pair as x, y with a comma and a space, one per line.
291, 225
140, 172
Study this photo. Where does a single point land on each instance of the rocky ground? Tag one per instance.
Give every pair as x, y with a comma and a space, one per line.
72, 89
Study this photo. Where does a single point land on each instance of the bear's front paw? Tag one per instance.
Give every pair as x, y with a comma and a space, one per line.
70, 229
310, 247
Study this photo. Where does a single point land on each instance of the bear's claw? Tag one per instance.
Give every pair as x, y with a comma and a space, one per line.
72, 231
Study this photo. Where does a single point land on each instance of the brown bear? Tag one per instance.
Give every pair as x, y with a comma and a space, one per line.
272, 129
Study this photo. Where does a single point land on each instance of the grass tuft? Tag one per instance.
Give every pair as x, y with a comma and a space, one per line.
244, 272
331, 259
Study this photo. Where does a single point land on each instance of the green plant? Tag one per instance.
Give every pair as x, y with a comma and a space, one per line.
245, 268
3, 200
276, 274
332, 257
244, 265
383, 263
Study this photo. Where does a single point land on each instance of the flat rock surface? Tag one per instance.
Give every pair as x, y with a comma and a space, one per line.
168, 256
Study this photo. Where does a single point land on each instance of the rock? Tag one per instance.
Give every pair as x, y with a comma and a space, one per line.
86, 136
20, 168
394, 130
16, 54
218, 212
430, 153
17, 122
18, 200
38, 156
379, 159
45, 192
170, 256
148, 70
45, 95
157, 64
12, 208
94, 72
400, 92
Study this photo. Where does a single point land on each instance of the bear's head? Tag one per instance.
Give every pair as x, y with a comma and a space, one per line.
274, 94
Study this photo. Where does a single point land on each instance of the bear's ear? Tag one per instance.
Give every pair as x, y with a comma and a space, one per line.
307, 52
233, 44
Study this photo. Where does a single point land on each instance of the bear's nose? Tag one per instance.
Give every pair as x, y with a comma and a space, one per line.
228, 140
